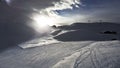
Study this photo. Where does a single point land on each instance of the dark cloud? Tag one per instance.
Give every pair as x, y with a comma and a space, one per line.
13, 28
29, 4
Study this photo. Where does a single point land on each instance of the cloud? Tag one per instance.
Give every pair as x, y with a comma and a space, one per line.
43, 11
44, 7
39, 4
65, 4
50, 17
61, 5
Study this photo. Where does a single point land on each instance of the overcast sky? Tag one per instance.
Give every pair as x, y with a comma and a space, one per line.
107, 10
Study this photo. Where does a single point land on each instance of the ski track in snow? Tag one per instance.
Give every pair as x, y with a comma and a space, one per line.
98, 56
87, 54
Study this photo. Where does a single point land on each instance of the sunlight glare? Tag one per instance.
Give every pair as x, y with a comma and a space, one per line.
42, 23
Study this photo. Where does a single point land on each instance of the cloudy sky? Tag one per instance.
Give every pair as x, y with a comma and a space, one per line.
106, 10
39, 13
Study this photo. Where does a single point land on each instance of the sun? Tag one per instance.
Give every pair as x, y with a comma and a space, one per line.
42, 23
43, 20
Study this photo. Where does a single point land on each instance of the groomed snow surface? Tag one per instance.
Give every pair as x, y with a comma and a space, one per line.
82, 54
86, 47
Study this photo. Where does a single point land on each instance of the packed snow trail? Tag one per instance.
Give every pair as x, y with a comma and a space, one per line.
99, 55
82, 54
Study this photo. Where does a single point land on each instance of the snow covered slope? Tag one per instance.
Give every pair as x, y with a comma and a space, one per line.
79, 48
90, 31
84, 54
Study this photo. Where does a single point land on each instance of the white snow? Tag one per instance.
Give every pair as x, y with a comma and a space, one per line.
38, 42
46, 40
83, 54
64, 31
45, 53
67, 62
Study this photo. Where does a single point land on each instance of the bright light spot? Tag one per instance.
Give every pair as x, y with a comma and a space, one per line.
8, 1
43, 21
